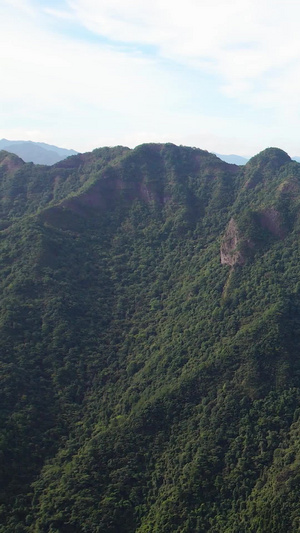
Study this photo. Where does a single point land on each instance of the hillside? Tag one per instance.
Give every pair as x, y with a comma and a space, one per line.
149, 333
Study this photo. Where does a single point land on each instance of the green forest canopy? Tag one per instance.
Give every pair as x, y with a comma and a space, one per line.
145, 386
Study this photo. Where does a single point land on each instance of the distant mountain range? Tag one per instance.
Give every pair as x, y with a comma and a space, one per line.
233, 159
36, 152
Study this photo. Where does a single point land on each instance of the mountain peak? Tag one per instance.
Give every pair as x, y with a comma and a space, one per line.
273, 158
264, 166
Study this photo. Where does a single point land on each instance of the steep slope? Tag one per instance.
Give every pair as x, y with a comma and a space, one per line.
147, 386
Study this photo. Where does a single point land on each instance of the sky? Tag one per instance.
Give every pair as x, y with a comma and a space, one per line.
221, 76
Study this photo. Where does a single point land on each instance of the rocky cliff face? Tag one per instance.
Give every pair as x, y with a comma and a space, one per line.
230, 253
236, 246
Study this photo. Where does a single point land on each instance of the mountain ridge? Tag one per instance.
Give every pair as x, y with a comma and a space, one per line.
43, 153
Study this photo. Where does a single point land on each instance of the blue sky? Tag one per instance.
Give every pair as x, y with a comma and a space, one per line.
222, 76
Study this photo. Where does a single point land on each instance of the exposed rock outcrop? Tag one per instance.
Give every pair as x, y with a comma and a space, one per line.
239, 244
230, 253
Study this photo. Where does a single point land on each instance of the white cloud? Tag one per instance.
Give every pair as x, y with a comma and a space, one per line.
44, 74
59, 14
240, 41
20, 6
206, 70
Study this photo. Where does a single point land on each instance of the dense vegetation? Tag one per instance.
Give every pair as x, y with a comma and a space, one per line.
145, 386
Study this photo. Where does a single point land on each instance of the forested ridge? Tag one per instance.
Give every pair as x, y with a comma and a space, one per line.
150, 343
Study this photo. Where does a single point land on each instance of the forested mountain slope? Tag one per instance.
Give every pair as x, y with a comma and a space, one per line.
149, 340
